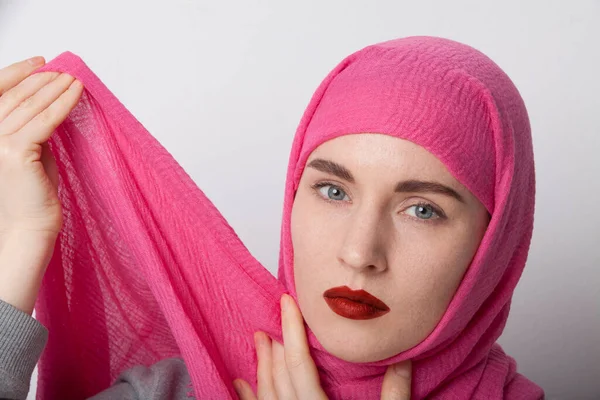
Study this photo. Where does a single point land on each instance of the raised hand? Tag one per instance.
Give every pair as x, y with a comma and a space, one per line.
288, 371
31, 107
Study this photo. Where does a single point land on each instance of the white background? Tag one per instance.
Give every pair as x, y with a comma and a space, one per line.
223, 84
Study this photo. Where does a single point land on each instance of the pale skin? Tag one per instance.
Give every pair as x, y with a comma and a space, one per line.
378, 213
382, 214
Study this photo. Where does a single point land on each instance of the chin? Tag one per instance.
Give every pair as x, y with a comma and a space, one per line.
354, 345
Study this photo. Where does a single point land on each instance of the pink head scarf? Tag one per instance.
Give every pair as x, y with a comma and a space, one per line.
146, 267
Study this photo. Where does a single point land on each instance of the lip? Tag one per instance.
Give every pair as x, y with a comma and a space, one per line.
354, 304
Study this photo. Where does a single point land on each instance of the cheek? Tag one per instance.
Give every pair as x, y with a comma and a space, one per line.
436, 268
314, 243
313, 230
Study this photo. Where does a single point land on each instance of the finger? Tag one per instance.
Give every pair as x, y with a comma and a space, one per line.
281, 378
303, 371
35, 104
24, 90
397, 381
40, 128
264, 378
13, 74
243, 390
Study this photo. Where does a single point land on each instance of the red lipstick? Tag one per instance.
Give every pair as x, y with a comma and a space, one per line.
354, 304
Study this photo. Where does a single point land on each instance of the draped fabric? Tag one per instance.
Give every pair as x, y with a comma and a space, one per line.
145, 267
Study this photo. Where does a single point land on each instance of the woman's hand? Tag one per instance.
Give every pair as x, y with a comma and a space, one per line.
31, 107
288, 371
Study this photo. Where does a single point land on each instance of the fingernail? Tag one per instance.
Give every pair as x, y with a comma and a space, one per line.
237, 386
257, 340
284, 302
36, 60
402, 369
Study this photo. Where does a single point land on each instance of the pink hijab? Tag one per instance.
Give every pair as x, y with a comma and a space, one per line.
146, 267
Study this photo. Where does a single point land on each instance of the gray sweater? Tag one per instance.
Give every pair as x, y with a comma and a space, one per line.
22, 340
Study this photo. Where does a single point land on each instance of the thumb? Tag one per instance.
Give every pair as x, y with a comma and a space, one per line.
396, 382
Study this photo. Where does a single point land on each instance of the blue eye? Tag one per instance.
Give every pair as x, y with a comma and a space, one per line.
423, 211
331, 192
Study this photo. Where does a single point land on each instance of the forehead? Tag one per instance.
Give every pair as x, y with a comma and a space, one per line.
373, 153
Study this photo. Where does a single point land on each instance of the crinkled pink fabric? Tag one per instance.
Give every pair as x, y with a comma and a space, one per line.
146, 267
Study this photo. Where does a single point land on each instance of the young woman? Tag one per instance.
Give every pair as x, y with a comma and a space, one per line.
406, 228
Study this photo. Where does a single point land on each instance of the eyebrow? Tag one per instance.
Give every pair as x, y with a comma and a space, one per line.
408, 186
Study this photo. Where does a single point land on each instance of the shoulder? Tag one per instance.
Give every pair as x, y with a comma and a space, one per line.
166, 379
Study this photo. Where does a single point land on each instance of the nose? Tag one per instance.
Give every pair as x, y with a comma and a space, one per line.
364, 243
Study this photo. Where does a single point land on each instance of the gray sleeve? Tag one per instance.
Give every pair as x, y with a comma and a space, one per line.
22, 340
167, 379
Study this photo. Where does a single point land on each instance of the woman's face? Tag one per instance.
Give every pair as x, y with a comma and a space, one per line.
381, 214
